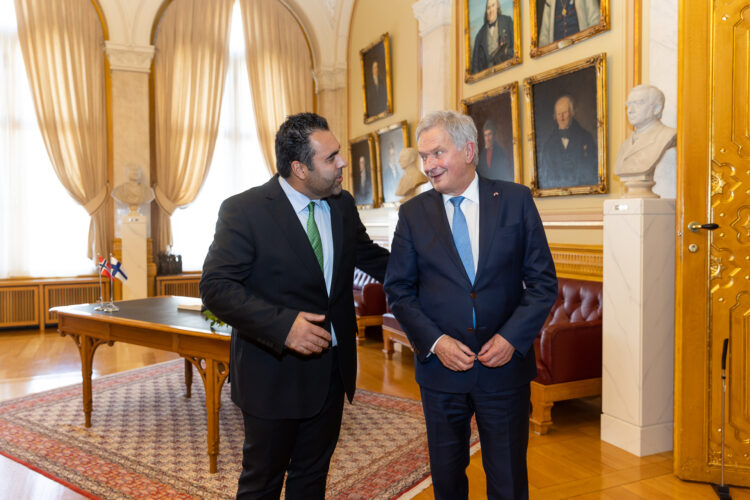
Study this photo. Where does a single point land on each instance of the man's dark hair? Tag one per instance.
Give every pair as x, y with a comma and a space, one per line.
489, 125
293, 141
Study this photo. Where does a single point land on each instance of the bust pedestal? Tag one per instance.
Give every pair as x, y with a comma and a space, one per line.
134, 240
638, 324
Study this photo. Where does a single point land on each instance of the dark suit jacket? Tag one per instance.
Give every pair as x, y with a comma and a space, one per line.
499, 169
261, 271
430, 294
481, 58
576, 165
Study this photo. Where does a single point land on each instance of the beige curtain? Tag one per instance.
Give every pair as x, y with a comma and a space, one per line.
63, 50
279, 68
192, 47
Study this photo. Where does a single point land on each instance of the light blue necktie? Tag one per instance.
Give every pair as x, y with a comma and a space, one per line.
461, 237
463, 243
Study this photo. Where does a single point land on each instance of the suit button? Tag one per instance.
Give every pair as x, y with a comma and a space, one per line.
473, 295
470, 330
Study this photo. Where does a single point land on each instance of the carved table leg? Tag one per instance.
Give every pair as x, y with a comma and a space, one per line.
86, 348
213, 373
188, 378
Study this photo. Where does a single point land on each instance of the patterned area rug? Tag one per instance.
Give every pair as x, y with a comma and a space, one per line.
148, 441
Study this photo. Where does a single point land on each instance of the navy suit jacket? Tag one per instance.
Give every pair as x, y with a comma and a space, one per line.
430, 293
261, 271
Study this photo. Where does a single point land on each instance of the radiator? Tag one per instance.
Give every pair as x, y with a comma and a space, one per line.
26, 302
185, 285
19, 306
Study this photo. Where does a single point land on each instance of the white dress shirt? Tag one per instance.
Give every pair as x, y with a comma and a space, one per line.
470, 208
322, 216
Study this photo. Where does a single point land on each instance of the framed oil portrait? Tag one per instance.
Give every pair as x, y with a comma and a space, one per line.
567, 112
496, 115
492, 33
377, 82
362, 167
391, 141
556, 24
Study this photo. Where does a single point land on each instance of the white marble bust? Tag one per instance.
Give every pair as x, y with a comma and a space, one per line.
133, 192
408, 185
641, 152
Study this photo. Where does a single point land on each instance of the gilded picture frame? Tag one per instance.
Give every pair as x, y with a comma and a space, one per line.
362, 171
566, 108
594, 14
497, 118
377, 80
390, 142
485, 55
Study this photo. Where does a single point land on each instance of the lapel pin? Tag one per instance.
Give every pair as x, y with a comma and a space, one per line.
494, 194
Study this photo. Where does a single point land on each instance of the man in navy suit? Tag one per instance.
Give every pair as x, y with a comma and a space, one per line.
280, 271
471, 280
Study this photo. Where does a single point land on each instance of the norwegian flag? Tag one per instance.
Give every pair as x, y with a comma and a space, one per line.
117, 270
104, 268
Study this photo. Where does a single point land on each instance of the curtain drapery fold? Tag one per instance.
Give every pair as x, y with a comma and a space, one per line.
192, 47
279, 68
62, 46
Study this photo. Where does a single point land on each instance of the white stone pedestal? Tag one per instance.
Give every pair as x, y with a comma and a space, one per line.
638, 326
134, 257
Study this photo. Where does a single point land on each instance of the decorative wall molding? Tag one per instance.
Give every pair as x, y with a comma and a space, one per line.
330, 78
432, 14
569, 219
129, 57
583, 262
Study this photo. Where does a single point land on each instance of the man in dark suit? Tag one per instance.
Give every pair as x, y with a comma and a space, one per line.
377, 91
493, 160
494, 41
279, 271
569, 155
471, 280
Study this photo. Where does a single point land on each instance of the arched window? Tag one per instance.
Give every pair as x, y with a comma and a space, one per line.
36, 212
237, 163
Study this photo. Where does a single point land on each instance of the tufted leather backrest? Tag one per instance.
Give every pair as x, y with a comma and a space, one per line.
576, 301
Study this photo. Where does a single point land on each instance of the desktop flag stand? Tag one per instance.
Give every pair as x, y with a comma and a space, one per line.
112, 269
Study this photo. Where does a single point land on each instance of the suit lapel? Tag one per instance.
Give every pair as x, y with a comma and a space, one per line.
337, 228
283, 213
489, 203
436, 215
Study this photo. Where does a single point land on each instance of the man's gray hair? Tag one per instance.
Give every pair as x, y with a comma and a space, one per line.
459, 127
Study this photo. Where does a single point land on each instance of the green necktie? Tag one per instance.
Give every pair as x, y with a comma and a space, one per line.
314, 235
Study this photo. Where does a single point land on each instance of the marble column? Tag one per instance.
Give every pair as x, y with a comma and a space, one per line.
434, 17
330, 89
638, 326
130, 67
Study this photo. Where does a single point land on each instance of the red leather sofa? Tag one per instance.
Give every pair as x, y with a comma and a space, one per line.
369, 301
568, 350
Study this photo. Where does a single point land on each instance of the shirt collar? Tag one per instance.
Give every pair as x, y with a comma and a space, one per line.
298, 200
471, 193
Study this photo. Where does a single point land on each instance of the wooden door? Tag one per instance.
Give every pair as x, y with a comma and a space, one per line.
713, 267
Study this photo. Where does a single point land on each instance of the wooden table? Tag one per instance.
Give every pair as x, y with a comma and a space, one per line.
154, 322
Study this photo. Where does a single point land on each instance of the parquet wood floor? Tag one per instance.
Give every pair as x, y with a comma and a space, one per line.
569, 462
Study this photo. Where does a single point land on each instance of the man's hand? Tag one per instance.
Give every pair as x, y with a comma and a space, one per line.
305, 337
453, 354
496, 352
